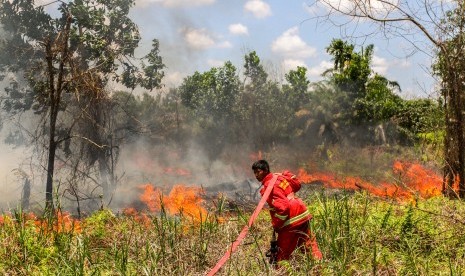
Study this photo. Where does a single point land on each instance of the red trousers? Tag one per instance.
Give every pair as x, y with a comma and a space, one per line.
289, 239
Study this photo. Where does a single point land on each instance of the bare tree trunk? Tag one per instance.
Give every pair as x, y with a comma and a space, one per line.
51, 165
454, 171
52, 144
25, 200
55, 100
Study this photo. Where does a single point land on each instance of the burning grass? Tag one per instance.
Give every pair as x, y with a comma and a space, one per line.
358, 233
410, 181
398, 227
182, 199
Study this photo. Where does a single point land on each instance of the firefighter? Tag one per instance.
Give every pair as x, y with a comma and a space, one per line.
289, 215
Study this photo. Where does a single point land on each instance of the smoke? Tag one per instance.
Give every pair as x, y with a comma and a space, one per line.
18, 159
166, 165
14, 170
8, 180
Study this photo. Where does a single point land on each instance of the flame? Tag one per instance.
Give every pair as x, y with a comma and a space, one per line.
141, 218
62, 223
417, 178
412, 180
151, 197
182, 199
455, 184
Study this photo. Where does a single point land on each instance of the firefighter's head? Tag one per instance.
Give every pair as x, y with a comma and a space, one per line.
260, 169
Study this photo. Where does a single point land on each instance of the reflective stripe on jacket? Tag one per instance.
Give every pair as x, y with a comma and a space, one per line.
286, 210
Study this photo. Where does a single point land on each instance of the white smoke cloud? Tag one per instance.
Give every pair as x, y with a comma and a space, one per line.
165, 166
173, 79
41, 2
13, 172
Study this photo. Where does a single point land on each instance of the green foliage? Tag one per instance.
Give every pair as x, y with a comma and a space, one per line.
268, 110
254, 71
351, 69
212, 93
371, 110
408, 224
358, 234
96, 224
402, 237
449, 66
353, 102
380, 103
421, 116
296, 90
63, 64
212, 101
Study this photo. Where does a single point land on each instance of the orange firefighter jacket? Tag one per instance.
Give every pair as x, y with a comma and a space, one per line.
286, 209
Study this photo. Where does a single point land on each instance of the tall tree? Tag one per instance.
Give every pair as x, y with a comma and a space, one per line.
264, 105
212, 98
67, 59
370, 98
297, 88
351, 69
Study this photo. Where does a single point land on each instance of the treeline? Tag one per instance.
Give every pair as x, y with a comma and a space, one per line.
58, 69
352, 105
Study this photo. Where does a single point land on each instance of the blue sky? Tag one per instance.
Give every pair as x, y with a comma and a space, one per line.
196, 35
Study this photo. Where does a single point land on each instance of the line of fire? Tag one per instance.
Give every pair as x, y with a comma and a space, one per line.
409, 182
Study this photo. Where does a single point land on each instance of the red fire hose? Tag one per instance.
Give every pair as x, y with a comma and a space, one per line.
244, 231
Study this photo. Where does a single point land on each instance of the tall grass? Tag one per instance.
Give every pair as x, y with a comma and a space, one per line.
357, 233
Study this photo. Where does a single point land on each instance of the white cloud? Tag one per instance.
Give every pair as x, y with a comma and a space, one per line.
291, 64
375, 8
201, 39
258, 8
198, 38
345, 6
290, 44
238, 29
320, 68
379, 65
174, 3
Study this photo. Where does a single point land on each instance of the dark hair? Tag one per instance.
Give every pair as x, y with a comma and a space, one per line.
261, 165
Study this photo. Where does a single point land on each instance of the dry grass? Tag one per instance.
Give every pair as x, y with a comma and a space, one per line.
358, 234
